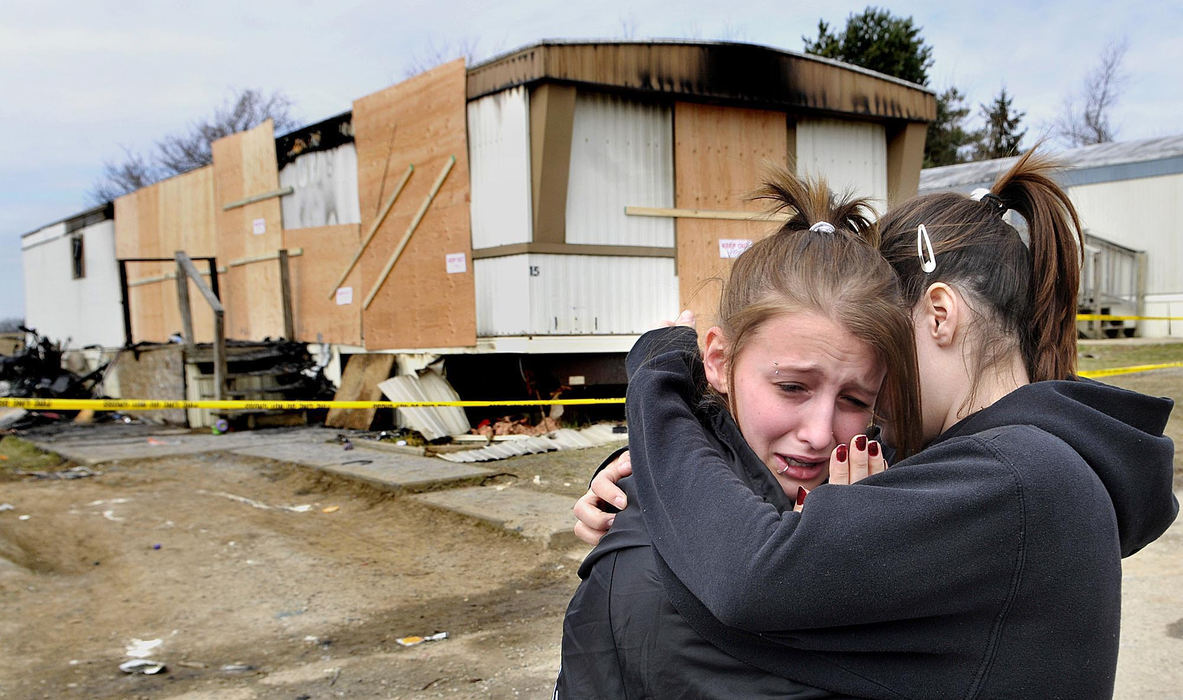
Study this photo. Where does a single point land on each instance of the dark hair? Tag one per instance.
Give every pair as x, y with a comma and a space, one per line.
836, 273
1025, 295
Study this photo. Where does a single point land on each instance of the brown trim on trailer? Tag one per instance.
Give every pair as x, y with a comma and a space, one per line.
547, 248
728, 73
552, 118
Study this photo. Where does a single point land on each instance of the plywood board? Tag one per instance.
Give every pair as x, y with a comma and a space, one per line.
326, 252
155, 222
244, 166
721, 157
421, 121
359, 382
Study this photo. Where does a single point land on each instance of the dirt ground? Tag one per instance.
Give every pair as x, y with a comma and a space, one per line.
269, 602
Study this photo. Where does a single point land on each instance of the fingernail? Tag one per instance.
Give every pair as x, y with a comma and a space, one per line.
873, 448
801, 494
610, 521
619, 501
841, 453
860, 442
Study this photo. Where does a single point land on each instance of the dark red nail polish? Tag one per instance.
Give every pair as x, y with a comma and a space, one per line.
873, 448
841, 453
801, 494
860, 442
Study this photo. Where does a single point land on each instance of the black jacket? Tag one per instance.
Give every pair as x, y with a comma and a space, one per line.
621, 636
986, 566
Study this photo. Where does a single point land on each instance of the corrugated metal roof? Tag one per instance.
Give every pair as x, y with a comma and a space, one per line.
1103, 157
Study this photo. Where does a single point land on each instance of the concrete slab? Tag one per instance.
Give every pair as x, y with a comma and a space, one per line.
397, 472
112, 443
544, 517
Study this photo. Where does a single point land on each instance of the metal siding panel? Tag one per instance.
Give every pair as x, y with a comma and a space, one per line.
1142, 214
502, 296
621, 155
499, 161
851, 156
324, 185
600, 295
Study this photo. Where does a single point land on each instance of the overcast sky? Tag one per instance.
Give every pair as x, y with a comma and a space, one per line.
80, 81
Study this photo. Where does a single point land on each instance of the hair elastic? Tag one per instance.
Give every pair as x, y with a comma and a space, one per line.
822, 227
985, 196
929, 263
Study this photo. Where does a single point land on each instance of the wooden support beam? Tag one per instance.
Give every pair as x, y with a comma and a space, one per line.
186, 309
285, 289
435, 188
257, 198
293, 253
374, 228
704, 214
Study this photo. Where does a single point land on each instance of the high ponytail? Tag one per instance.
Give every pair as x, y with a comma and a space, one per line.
1053, 230
823, 260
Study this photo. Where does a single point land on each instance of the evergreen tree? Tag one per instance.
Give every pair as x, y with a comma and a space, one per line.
948, 138
877, 40
1001, 136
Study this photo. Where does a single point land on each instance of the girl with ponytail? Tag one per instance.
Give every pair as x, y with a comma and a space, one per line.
988, 564
812, 341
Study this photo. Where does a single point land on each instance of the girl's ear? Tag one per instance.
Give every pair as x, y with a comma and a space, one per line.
940, 313
714, 359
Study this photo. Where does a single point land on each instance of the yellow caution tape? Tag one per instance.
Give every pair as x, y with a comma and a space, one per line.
157, 405
1110, 317
1092, 374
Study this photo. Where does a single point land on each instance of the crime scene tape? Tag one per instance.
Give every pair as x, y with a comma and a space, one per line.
1094, 373
1111, 317
230, 405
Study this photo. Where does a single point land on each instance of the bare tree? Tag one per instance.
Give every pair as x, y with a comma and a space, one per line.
178, 153
438, 54
1085, 117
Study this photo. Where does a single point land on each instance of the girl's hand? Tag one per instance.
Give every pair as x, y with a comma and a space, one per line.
591, 520
862, 458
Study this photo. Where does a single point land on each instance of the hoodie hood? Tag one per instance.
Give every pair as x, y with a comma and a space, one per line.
1118, 432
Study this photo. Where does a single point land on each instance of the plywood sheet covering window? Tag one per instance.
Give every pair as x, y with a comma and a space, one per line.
244, 166
721, 156
420, 121
327, 250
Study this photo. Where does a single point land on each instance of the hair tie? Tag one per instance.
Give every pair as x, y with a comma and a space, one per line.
822, 227
924, 245
987, 197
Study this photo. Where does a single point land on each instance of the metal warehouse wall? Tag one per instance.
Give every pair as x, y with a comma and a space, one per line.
87, 311
499, 158
1145, 214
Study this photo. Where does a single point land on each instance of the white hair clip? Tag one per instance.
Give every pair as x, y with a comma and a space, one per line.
822, 227
929, 263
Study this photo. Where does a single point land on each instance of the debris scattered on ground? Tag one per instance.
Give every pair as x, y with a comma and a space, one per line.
78, 472
412, 641
256, 504
509, 425
505, 446
144, 666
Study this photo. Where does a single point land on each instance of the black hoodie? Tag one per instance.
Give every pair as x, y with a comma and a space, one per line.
988, 565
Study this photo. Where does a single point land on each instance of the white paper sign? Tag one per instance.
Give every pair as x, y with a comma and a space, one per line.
260, 226
732, 247
344, 296
456, 262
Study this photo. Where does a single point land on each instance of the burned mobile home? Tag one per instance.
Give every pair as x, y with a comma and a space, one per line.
524, 219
